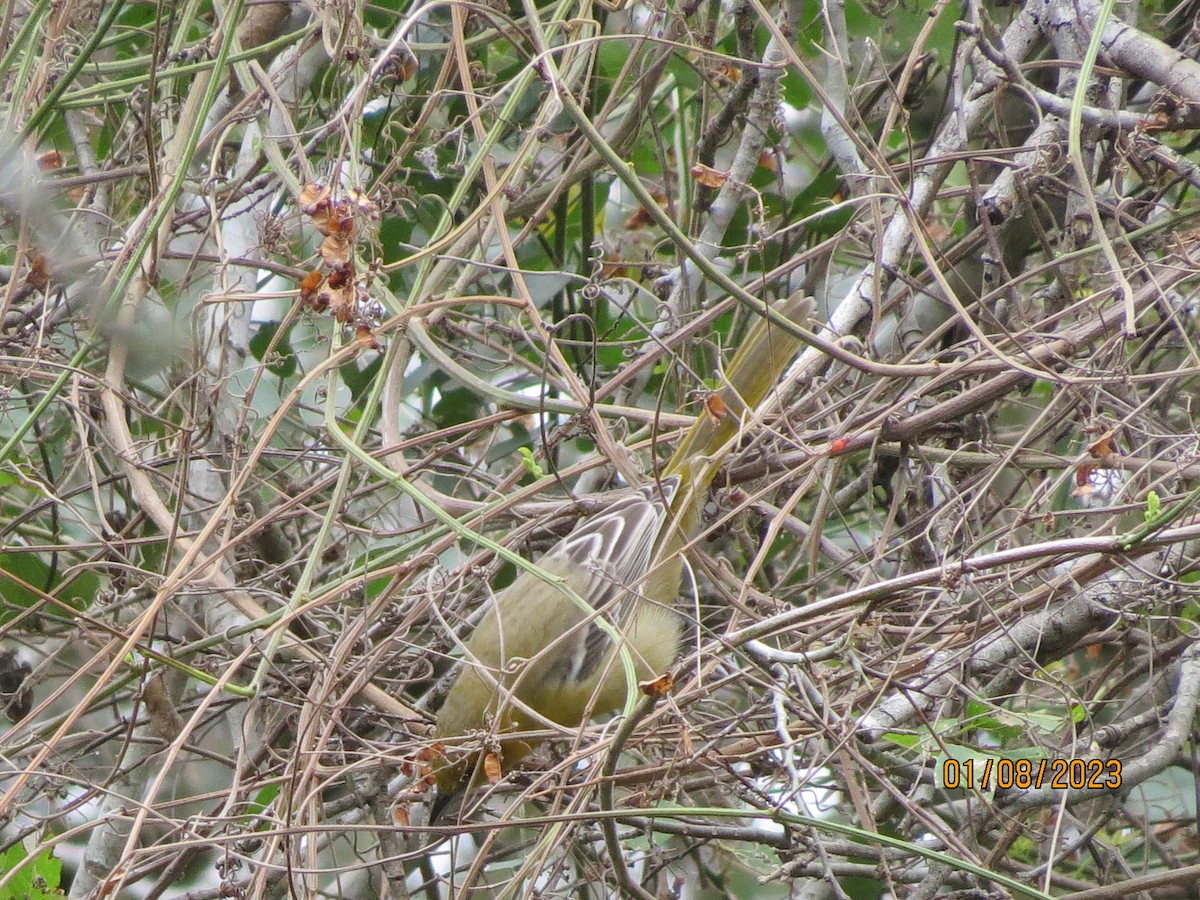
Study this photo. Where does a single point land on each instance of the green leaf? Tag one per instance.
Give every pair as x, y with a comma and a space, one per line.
30, 877
359, 380
907, 741
262, 802
456, 407
280, 360
1153, 506
24, 569
531, 464
20, 876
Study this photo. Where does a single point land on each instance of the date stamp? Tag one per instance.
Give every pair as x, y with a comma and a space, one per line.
991, 773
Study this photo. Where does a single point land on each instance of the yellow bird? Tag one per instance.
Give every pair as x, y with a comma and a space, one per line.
536, 650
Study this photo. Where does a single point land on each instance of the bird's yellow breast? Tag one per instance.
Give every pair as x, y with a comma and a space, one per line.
526, 652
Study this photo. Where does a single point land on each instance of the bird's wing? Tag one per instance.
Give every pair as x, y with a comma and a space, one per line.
607, 555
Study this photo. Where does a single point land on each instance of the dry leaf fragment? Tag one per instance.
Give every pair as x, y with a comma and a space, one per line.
335, 249
363, 206
708, 176
341, 274
426, 756
731, 74
38, 275
641, 218
613, 268
310, 284
165, 721
314, 197
338, 303
714, 405
1103, 446
49, 161
366, 337
492, 769
659, 687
